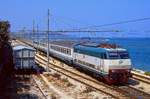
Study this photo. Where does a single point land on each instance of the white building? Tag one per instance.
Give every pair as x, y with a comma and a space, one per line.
24, 57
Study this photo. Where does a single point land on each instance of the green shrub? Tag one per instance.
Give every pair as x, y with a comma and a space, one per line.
56, 75
4, 31
147, 73
65, 80
88, 89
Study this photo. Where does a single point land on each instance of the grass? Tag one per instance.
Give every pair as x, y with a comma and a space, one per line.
69, 84
147, 73
53, 96
88, 89
56, 75
67, 81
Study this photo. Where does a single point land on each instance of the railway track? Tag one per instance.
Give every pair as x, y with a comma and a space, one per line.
113, 91
26, 83
134, 92
40, 88
81, 79
141, 78
116, 92
45, 88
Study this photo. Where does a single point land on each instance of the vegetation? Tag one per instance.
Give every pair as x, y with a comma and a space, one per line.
6, 57
147, 73
68, 84
56, 75
88, 90
65, 80
4, 31
53, 96
6, 52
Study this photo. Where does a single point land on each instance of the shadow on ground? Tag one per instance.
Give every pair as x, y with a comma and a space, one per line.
133, 82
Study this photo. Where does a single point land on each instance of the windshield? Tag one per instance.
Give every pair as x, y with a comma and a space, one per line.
118, 55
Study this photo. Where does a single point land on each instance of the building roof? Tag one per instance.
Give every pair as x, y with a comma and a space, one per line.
21, 47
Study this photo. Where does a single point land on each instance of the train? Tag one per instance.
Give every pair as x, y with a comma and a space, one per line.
108, 62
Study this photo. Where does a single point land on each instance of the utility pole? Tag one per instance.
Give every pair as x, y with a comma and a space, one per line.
48, 40
37, 34
37, 37
33, 27
33, 32
37, 28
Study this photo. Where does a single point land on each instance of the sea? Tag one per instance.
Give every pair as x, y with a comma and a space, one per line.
139, 51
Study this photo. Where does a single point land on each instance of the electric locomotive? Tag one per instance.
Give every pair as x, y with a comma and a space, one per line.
108, 62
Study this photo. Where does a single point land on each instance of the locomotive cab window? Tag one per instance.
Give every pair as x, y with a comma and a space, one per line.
124, 55
113, 55
118, 55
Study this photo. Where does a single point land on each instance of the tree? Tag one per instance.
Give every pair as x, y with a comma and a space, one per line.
6, 56
4, 31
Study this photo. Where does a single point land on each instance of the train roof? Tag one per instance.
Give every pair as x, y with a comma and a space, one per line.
100, 45
69, 44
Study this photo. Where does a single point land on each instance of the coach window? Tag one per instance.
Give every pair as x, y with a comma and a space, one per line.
65, 51
69, 52
57, 48
61, 49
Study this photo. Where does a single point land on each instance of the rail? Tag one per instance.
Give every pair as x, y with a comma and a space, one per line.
141, 77
40, 89
115, 92
120, 92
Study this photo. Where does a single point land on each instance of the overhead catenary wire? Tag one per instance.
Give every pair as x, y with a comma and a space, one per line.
88, 28
115, 23
83, 29
63, 19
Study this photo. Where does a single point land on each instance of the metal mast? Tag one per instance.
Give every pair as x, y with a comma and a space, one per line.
33, 26
33, 33
37, 36
48, 39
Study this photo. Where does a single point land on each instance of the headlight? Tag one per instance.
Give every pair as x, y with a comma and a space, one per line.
112, 70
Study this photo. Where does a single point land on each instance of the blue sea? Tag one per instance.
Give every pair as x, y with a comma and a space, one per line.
139, 50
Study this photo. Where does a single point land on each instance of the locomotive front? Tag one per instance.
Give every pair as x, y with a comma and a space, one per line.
118, 65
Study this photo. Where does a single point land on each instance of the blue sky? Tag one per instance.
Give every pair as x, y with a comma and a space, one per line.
68, 14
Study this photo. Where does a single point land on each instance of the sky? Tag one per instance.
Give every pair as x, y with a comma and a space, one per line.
72, 14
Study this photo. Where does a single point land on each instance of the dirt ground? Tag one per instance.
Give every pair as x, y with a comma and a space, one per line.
20, 87
73, 89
